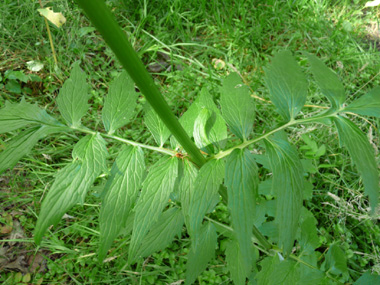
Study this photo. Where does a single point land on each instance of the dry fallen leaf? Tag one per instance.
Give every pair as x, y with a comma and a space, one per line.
56, 18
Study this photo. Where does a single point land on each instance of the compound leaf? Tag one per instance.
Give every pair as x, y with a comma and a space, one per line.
22, 144
154, 196
287, 85
119, 103
367, 105
162, 233
238, 108
204, 196
72, 182
242, 184
121, 189
362, 155
288, 184
156, 126
201, 252
73, 97
327, 81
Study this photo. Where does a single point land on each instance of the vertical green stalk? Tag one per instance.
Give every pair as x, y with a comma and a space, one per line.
105, 23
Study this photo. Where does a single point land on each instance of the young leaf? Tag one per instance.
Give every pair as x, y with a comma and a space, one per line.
205, 193
22, 145
162, 233
154, 196
288, 184
287, 85
238, 108
156, 126
73, 97
362, 155
242, 184
328, 81
202, 127
122, 188
14, 116
201, 252
236, 264
72, 182
367, 105
119, 103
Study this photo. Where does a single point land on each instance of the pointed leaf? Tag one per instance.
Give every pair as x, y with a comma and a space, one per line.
22, 144
242, 184
367, 105
162, 233
287, 85
202, 127
362, 155
122, 188
238, 108
335, 261
72, 182
154, 196
73, 97
119, 103
14, 116
288, 184
186, 188
201, 252
236, 264
156, 126
205, 193
328, 81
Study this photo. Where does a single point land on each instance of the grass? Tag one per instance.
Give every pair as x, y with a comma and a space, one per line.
192, 33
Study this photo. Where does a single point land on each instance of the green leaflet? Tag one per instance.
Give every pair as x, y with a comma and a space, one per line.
238, 108
122, 188
202, 127
201, 252
162, 233
218, 133
22, 144
242, 184
335, 262
287, 84
14, 116
367, 105
288, 184
236, 264
362, 155
156, 126
309, 239
204, 196
119, 103
368, 278
72, 182
327, 81
73, 97
154, 196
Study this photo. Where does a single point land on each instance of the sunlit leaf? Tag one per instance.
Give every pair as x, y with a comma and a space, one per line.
156, 126
122, 188
367, 105
54, 17
202, 127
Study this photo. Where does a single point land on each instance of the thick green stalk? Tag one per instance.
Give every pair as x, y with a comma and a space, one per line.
105, 23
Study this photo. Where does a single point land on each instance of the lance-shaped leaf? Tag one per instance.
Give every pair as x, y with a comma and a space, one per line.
73, 97
205, 193
327, 81
218, 133
288, 184
19, 115
186, 188
362, 155
236, 264
22, 144
238, 108
367, 105
242, 184
202, 127
155, 125
162, 233
201, 252
154, 196
119, 103
72, 182
287, 84
121, 189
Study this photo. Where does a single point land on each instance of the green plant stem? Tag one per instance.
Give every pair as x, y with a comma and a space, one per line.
105, 23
